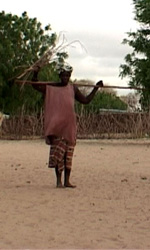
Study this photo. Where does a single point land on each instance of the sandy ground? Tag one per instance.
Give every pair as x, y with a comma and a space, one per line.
109, 209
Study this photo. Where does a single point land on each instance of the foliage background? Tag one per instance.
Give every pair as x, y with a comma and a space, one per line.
137, 63
22, 42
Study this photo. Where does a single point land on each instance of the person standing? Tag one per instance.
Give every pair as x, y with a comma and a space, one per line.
60, 127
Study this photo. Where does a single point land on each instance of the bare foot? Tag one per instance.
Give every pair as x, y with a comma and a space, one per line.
59, 185
69, 185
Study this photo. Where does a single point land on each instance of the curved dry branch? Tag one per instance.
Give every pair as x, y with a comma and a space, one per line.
49, 56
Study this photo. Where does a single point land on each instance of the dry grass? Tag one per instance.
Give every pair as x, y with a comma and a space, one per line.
114, 125
103, 125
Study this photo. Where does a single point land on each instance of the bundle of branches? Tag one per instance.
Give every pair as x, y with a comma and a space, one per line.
49, 57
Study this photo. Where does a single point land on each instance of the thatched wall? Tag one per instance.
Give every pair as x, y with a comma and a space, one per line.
103, 125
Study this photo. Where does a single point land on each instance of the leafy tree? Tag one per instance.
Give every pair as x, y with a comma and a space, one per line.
102, 100
22, 42
137, 63
106, 99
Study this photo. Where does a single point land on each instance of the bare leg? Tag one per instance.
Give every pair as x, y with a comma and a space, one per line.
58, 178
67, 179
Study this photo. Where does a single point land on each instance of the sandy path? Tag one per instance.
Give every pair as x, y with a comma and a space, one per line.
110, 208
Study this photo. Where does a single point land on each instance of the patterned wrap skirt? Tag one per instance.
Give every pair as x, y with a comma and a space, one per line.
61, 154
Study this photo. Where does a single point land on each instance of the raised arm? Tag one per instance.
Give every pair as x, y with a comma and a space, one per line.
39, 87
87, 99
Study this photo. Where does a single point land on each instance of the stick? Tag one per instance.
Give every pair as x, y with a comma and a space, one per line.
106, 86
77, 84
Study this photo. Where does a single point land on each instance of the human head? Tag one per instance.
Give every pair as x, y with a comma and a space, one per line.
64, 72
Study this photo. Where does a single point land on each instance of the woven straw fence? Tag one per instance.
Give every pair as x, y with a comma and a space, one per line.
91, 126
